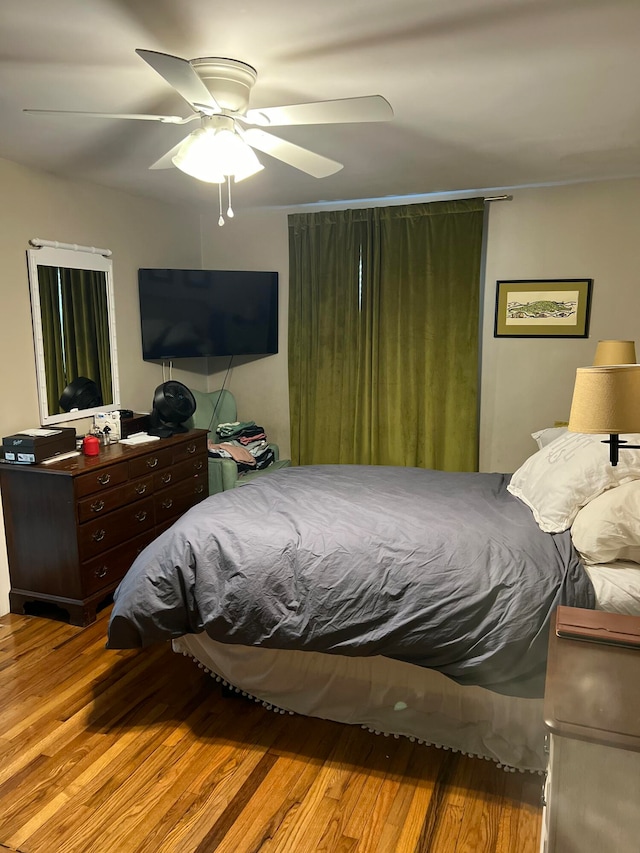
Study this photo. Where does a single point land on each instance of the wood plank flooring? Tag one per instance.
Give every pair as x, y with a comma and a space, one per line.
139, 752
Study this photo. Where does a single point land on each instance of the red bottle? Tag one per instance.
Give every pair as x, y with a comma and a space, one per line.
90, 445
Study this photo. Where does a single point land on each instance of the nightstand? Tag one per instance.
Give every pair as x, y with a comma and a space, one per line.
592, 711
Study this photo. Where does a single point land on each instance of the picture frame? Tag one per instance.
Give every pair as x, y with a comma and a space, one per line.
543, 308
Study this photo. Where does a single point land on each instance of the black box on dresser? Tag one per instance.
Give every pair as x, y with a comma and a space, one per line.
35, 445
136, 423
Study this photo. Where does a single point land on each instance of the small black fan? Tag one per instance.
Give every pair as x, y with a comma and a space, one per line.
82, 393
173, 404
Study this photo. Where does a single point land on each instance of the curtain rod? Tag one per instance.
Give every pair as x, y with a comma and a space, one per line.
499, 198
53, 244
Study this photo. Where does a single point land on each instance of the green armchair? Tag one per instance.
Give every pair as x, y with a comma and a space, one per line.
219, 407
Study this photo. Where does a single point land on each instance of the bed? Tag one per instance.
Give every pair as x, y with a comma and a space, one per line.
411, 602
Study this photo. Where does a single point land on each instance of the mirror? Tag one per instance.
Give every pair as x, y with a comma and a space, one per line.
72, 309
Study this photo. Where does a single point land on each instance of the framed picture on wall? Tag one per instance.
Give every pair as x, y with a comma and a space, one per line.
549, 308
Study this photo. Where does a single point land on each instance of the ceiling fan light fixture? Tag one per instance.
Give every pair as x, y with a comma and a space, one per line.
194, 157
250, 166
213, 154
235, 157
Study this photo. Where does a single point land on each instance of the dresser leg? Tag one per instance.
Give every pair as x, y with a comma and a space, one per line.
82, 614
79, 613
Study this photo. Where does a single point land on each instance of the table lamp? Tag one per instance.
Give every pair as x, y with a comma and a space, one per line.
615, 352
606, 399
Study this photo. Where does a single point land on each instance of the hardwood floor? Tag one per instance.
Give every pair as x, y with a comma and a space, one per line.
139, 752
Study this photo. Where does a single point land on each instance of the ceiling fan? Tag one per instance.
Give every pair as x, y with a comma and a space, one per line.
217, 90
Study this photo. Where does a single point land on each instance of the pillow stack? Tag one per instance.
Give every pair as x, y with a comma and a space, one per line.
608, 528
568, 473
545, 436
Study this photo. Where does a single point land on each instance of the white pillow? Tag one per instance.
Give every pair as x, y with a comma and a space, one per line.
545, 436
608, 528
568, 473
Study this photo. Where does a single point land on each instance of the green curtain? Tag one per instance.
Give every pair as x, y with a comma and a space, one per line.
75, 328
51, 336
384, 334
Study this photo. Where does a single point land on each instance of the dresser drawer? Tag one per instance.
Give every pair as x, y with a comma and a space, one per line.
180, 471
104, 533
190, 448
111, 567
104, 502
173, 501
161, 458
101, 479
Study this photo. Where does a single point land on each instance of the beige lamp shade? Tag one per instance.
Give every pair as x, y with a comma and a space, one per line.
615, 352
606, 399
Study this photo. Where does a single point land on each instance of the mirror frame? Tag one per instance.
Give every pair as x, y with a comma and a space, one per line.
70, 259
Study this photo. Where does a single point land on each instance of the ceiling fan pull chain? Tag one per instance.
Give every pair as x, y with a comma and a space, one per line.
229, 209
221, 217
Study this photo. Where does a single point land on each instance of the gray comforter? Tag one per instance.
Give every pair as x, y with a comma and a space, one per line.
442, 570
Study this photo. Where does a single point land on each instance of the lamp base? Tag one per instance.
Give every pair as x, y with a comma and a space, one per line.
615, 445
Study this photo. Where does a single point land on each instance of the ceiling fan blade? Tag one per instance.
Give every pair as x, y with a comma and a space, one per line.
136, 116
179, 73
367, 108
300, 158
166, 161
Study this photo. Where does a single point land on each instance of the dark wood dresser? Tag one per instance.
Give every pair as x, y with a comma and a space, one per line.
74, 527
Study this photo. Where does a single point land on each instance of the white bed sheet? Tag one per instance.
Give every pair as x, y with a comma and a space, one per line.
396, 698
383, 695
617, 586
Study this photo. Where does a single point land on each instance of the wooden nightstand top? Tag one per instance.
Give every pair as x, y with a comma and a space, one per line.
593, 692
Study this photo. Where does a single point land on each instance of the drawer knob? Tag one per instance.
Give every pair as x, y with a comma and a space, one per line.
99, 535
167, 503
191, 448
97, 506
199, 489
104, 479
141, 488
166, 478
197, 466
152, 462
141, 516
101, 572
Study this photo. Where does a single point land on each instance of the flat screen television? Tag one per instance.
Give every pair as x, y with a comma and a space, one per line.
195, 313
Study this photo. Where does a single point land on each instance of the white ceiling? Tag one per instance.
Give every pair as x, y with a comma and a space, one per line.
486, 93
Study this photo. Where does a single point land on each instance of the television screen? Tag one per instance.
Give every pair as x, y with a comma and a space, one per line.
194, 313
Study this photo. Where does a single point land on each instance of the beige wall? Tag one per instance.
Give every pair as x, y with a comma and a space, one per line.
587, 230
576, 231
139, 232
255, 241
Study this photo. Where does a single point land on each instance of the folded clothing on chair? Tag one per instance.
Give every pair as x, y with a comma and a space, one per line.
245, 442
237, 429
228, 449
